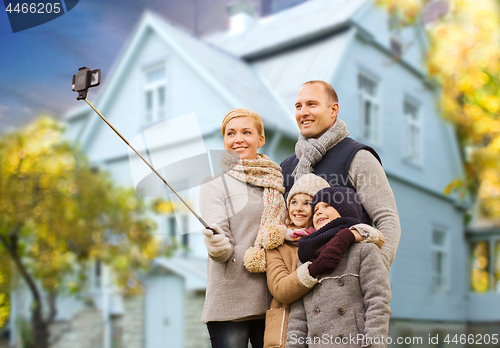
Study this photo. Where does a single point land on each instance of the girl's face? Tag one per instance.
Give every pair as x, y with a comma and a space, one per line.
299, 210
242, 137
323, 214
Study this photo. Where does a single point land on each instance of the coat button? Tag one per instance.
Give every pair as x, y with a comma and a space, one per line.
316, 311
234, 260
341, 282
341, 311
340, 336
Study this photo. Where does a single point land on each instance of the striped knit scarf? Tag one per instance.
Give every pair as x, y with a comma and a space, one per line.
310, 151
267, 174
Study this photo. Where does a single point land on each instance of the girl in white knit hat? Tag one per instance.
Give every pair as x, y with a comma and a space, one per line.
285, 281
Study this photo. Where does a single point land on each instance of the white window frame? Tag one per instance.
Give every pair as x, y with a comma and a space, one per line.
369, 130
413, 132
152, 86
171, 226
440, 277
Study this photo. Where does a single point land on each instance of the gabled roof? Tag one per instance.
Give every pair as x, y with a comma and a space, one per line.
233, 78
320, 60
481, 225
192, 270
298, 24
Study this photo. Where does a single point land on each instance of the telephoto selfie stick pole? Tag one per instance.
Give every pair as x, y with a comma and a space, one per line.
86, 78
150, 166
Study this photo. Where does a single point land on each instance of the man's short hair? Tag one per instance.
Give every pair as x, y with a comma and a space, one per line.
330, 91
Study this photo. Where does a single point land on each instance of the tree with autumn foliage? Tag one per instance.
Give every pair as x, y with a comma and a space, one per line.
464, 58
56, 214
5, 278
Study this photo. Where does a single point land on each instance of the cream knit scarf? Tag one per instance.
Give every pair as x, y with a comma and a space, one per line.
310, 151
267, 174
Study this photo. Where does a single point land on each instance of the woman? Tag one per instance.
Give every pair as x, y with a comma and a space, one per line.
237, 205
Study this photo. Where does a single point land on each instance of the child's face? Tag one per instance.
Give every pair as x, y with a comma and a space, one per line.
299, 210
323, 214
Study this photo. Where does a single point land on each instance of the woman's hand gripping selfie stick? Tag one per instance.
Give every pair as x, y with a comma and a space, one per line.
86, 78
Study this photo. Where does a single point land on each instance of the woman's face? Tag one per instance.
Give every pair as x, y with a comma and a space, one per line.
299, 210
241, 137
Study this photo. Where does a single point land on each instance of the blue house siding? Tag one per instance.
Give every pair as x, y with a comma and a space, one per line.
395, 84
375, 24
413, 296
484, 307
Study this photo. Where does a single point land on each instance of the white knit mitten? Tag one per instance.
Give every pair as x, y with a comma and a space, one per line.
217, 243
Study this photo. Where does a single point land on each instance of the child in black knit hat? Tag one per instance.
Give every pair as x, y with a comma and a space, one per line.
337, 207
286, 282
351, 306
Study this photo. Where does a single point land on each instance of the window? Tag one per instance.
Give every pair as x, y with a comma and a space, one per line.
185, 234
155, 93
172, 226
439, 260
368, 93
485, 264
480, 264
413, 131
95, 274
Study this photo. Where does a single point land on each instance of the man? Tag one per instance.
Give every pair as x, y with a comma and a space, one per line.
325, 149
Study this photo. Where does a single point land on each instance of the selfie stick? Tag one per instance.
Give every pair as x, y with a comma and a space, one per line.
149, 165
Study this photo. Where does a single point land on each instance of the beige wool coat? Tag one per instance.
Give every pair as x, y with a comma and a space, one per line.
286, 286
233, 293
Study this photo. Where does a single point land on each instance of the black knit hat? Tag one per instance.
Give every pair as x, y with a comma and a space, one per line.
343, 199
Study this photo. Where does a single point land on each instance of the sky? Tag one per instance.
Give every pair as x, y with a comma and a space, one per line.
37, 64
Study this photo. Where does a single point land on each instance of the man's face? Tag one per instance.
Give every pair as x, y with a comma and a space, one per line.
313, 111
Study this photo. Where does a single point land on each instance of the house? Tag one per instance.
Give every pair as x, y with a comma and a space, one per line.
386, 101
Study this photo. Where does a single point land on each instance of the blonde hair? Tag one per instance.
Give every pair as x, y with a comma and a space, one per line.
240, 112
